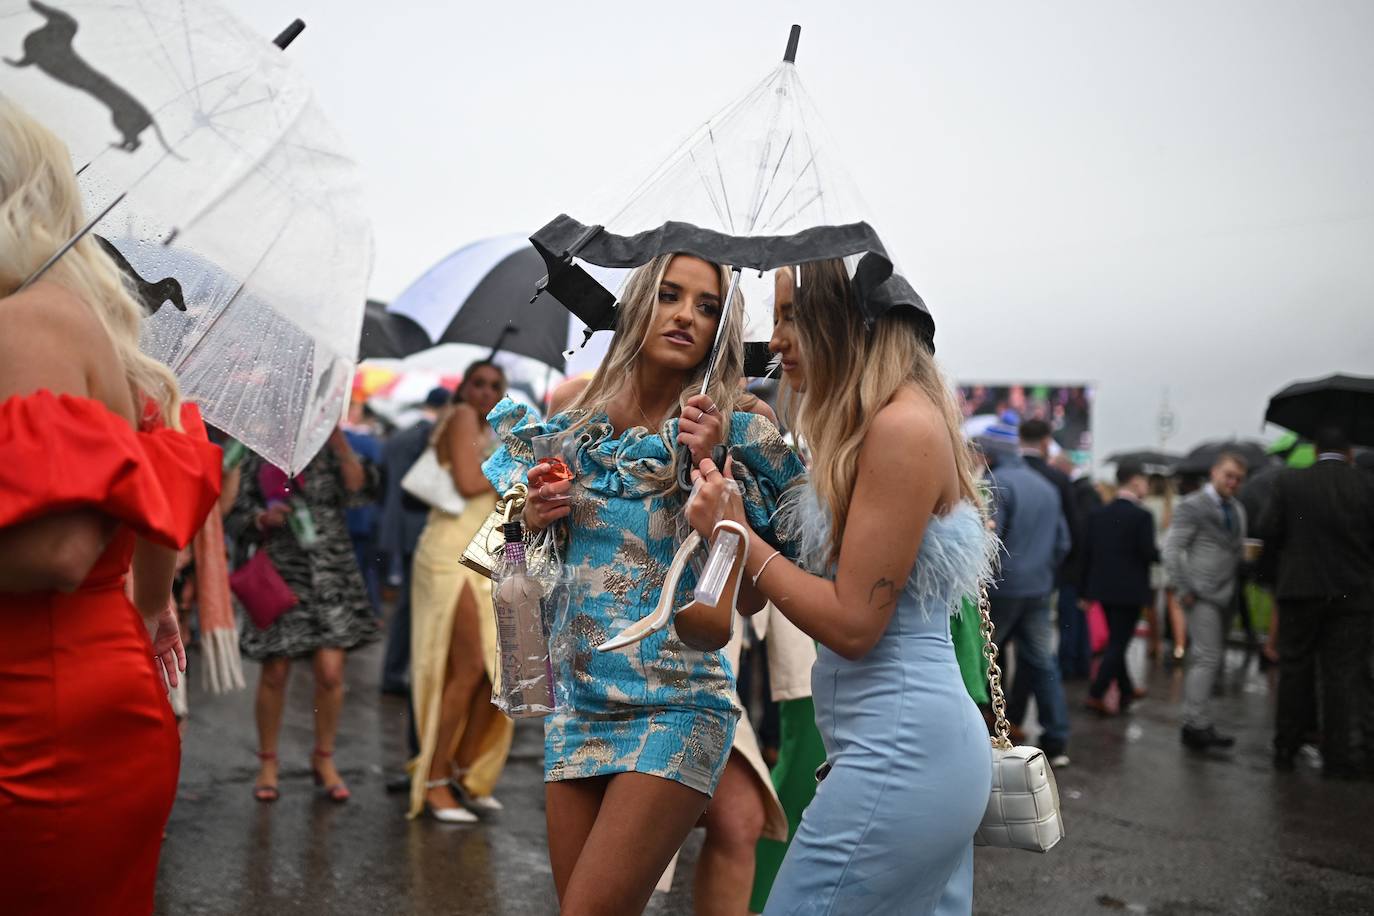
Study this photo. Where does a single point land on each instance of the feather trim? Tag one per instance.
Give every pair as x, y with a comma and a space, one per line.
958, 553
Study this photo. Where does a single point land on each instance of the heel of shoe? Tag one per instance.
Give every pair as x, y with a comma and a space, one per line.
709, 627
336, 792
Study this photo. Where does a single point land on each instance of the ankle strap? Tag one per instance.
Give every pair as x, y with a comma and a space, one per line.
435, 783
319, 753
267, 755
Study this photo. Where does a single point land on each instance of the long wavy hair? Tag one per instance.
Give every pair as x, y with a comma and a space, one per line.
634, 322
852, 372
40, 209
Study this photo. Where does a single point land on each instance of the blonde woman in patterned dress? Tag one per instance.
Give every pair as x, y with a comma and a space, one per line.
464, 740
632, 758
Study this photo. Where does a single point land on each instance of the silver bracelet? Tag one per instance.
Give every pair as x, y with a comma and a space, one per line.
771, 557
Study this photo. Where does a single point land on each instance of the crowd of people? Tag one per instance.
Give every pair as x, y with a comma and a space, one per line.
1189, 557
856, 555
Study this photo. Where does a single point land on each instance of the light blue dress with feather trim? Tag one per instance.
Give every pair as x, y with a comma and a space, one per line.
657, 706
890, 830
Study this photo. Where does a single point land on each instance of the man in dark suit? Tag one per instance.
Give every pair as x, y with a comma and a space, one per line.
1320, 524
1118, 548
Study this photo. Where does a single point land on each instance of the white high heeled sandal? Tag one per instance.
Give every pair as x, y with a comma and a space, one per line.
664, 613
448, 815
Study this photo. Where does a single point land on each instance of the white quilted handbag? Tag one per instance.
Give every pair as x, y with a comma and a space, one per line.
1023, 809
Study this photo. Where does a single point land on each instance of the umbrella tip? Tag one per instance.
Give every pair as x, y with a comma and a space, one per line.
289, 34
790, 56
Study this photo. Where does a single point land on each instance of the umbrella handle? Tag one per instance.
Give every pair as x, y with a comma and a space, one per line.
684, 464
792, 39
289, 34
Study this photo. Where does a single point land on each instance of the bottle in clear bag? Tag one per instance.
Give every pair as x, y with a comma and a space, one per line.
525, 682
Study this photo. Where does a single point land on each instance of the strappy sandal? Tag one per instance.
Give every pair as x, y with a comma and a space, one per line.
263, 792
699, 626
336, 792
458, 815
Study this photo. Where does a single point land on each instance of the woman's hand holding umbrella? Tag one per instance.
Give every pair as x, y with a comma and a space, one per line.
700, 427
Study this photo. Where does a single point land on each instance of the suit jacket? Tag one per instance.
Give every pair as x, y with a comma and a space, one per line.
1118, 548
1071, 569
1320, 525
1035, 536
1201, 555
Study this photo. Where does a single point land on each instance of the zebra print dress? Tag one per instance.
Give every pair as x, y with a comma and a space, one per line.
334, 612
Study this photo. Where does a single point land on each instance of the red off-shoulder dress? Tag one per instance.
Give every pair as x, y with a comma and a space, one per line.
89, 752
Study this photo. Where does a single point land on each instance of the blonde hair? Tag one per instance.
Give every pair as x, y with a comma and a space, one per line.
852, 372
40, 209
634, 323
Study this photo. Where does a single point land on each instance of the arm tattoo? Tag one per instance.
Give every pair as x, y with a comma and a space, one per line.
884, 591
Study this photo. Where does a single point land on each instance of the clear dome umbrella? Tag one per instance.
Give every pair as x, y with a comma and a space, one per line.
201, 147
758, 186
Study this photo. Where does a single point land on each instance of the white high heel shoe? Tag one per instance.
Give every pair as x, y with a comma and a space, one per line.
448, 815
700, 626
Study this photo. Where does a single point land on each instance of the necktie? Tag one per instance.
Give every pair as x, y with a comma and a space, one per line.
1229, 514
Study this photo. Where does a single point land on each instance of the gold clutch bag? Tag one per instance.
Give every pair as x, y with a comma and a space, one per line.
484, 552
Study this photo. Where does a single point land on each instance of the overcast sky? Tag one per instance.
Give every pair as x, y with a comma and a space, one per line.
1140, 195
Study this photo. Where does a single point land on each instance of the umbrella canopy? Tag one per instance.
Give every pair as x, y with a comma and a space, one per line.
388, 336
480, 294
1201, 459
200, 143
1152, 461
1345, 402
758, 186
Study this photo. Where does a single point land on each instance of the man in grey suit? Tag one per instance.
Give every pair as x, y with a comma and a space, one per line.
1203, 552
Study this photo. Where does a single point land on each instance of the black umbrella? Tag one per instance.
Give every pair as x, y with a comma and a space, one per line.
389, 336
1345, 402
1201, 459
1153, 462
480, 294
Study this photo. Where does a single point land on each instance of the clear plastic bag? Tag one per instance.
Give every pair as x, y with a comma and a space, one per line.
524, 682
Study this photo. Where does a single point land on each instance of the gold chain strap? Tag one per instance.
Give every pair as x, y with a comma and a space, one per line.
1001, 729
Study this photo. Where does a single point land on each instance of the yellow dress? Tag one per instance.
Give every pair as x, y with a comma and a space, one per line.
436, 583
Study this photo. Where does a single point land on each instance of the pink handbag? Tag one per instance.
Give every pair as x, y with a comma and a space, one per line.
1098, 634
261, 590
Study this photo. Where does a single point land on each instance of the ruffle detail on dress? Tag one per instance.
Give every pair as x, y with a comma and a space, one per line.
958, 553
62, 453
625, 465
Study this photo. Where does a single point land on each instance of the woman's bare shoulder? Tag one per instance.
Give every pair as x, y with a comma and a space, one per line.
566, 393
50, 339
908, 420
759, 407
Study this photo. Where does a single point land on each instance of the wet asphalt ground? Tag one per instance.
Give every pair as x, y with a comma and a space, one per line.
1151, 828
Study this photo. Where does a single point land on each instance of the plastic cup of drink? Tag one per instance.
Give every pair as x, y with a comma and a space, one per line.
1253, 548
